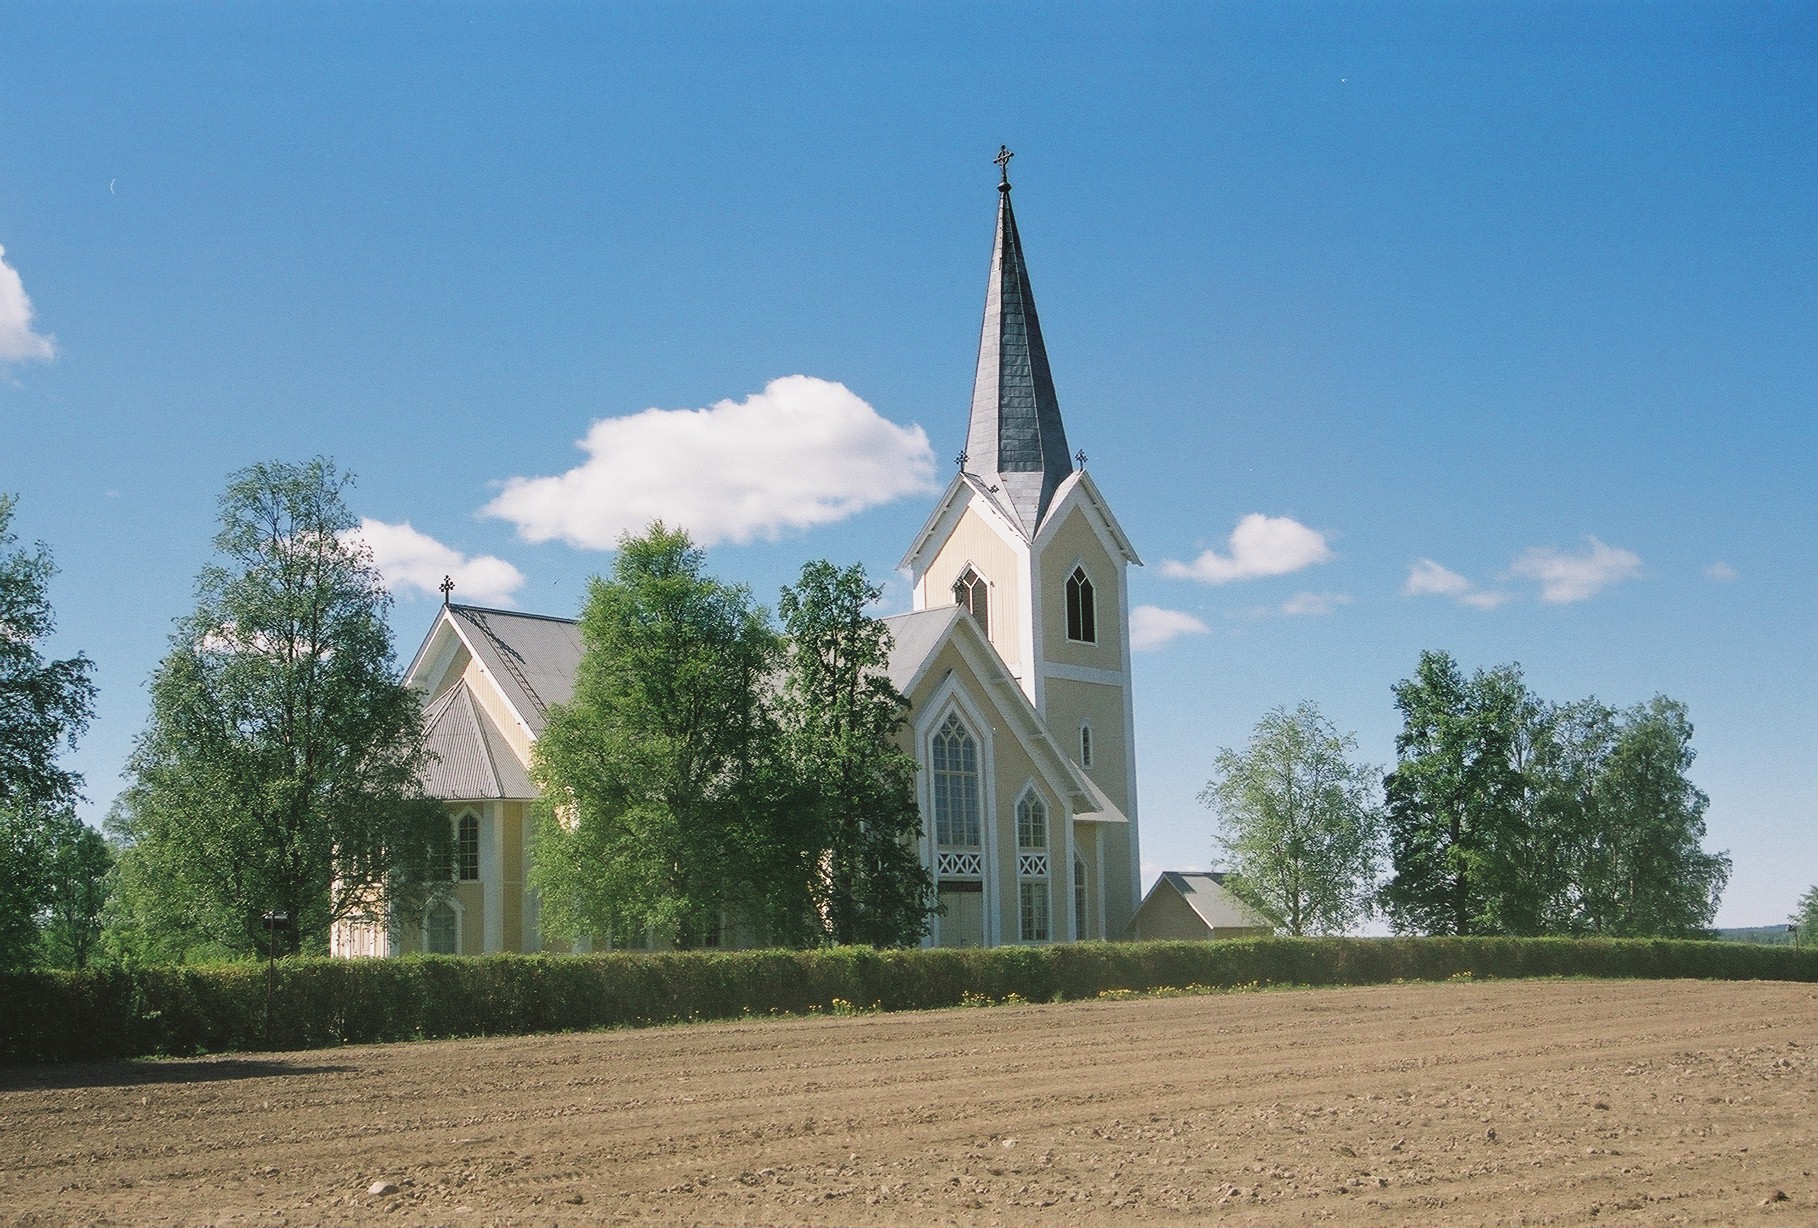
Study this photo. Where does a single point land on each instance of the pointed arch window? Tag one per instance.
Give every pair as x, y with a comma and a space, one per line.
955, 779
442, 930
1031, 822
974, 596
467, 849
1085, 746
1082, 611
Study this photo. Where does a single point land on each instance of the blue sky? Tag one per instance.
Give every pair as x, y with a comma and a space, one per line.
1502, 302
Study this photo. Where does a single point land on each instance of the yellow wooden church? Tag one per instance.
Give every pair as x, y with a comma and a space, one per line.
1015, 660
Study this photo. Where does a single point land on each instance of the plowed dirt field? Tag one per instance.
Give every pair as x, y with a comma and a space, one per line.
1494, 1103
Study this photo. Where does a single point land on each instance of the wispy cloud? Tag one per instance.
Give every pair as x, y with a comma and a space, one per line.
1721, 571
18, 343
1568, 577
802, 452
413, 561
1427, 578
1314, 603
1151, 627
1259, 546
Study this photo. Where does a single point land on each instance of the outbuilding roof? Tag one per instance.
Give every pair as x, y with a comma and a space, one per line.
1205, 894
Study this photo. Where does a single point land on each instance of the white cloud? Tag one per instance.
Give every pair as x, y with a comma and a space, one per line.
18, 343
1151, 627
408, 559
1574, 577
802, 452
1427, 578
1260, 546
1314, 603
1721, 572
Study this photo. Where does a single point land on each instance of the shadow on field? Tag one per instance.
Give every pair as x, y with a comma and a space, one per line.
132, 1074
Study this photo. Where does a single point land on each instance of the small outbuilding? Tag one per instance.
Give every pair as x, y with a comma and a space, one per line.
1190, 905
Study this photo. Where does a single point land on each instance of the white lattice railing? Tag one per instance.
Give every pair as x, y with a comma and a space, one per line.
960, 863
1032, 865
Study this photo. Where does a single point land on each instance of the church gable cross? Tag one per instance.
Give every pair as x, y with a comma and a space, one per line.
1003, 164
447, 587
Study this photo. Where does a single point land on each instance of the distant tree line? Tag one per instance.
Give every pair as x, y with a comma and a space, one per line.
1503, 814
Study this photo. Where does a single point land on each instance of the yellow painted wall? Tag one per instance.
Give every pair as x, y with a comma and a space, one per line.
513, 859
974, 542
1011, 769
1068, 704
1075, 544
1167, 917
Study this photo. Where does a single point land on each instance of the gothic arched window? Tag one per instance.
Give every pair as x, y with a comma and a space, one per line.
1082, 614
442, 930
1085, 746
1031, 822
467, 849
956, 805
974, 595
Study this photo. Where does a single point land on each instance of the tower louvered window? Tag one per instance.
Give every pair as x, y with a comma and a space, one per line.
1082, 614
974, 595
956, 801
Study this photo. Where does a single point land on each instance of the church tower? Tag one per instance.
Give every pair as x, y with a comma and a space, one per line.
1024, 541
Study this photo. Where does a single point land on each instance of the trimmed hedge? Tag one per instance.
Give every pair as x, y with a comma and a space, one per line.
110, 1014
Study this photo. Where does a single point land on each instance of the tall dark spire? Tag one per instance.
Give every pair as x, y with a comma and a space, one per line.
1016, 438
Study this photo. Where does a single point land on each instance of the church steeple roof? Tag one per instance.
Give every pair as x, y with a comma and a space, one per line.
1016, 438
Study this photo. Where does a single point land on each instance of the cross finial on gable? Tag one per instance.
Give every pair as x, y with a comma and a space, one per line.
1080, 456
447, 587
961, 460
1003, 165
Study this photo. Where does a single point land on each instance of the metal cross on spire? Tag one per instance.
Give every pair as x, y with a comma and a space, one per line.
1003, 165
447, 587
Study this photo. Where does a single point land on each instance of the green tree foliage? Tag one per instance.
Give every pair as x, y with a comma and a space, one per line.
655, 778
1299, 822
80, 872
1458, 813
44, 707
1638, 867
1805, 920
856, 801
1509, 815
280, 766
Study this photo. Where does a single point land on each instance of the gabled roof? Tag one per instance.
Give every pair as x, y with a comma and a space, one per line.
1082, 489
966, 489
919, 637
1015, 439
472, 761
531, 657
1204, 892
915, 638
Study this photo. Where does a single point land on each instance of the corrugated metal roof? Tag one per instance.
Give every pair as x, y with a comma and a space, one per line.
533, 657
914, 638
1218, 908
472, 760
